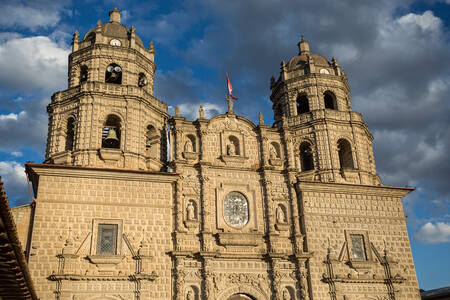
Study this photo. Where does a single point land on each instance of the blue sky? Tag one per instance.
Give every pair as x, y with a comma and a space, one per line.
395, 53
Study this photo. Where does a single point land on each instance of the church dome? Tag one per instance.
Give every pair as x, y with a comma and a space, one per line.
113, 29
301, 60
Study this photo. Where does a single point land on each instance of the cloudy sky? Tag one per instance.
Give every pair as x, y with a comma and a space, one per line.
395, 54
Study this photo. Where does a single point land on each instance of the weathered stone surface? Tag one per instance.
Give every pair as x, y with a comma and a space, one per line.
293, 211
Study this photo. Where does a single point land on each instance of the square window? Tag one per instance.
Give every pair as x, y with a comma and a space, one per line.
358, 249
107, 239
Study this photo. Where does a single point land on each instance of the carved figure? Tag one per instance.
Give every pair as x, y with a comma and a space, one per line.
188, 147
273, 153
286, 295
190, 295
231, 149
190, 209
280, 215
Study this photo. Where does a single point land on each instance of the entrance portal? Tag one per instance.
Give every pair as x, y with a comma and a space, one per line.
241, 297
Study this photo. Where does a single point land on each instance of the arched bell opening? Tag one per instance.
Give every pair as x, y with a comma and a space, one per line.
306, 157
302, 104
113, 74
345, 154
111, 132
70, 134
330, 100
83, 74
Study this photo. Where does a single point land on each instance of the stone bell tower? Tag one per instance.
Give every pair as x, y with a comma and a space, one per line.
108, 116
311, 102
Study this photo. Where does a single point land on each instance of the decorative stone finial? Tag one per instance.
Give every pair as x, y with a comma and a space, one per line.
99, 23
230, 105
177, 111
132, 29
201, 112
334, 61
151, 47
76, 36
115, 15
303, 46
261, 118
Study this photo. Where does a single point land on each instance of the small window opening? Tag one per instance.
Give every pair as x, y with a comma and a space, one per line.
83, 74
151, 136
358, 247
142, 81
306, 157
111, 132
113, 74
70, 133
345, 154
302, 104
330, 100
107, 239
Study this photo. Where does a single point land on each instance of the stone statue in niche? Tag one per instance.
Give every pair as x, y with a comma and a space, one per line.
286, 295
188, 147
190, 295
281, 218
231, 149
273, 153
190, 211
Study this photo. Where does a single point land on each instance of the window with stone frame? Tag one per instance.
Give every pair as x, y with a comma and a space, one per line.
358, 247
107, 239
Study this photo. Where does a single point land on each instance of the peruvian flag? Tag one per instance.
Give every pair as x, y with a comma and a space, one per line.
230, 88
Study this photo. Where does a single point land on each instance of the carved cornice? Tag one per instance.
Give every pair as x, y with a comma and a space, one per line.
77, 277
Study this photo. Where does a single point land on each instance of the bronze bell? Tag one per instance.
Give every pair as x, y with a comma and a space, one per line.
111, 139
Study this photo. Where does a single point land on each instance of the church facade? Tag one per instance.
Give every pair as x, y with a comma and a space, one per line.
133, 203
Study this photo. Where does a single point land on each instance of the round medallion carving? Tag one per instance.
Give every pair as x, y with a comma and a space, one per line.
235, 210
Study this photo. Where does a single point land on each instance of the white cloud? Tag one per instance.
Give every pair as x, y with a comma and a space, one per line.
21, 16
25, 129
10, 116
427, 21
30, 63
16, 153
15, 180
434, 234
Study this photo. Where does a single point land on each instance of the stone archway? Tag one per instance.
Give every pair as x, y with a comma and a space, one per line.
242, 292
241, 297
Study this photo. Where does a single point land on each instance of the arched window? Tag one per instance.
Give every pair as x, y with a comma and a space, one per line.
83, 73
306, 157
113, 74
142, 80
111, 132
302, 104
233, 146
330, 100
345, 154
70, 133
151, 136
